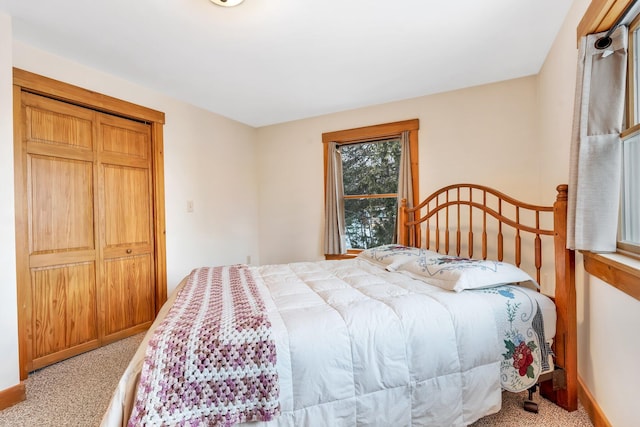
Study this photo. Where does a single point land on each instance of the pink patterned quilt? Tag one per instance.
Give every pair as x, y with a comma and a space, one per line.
212, 361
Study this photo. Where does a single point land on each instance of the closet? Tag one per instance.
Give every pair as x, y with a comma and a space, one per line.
89, 219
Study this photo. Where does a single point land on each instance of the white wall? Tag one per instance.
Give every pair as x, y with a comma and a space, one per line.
486, 134
556, 93
208, 159
9, 374
607, 348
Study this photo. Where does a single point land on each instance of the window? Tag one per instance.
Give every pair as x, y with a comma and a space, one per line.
370, 182
629, 227
621, 269
370, 158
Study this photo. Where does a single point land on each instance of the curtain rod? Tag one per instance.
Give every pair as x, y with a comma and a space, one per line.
605, 41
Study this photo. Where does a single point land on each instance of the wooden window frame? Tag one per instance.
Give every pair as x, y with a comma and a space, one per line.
374, 133
601, 15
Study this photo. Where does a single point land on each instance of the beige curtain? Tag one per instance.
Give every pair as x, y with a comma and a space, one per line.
595, 168
334, 239
405, 182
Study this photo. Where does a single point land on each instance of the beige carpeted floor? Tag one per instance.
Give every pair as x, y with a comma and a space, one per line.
549, 414
76, 392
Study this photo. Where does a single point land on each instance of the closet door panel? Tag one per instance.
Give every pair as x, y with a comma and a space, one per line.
60, 175
58, 123
126, 219
62, 215
64, 311
129, 293
130, 139
126, 206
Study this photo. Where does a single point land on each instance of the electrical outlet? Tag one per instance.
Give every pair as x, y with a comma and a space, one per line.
190, 206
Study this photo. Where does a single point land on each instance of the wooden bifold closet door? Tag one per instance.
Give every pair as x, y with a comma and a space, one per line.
90, 273
125, 223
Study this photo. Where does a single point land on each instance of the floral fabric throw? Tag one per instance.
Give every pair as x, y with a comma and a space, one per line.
526, 350
212, 361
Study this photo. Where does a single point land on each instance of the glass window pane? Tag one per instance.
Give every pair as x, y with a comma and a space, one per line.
370, 222
635, 57
370, 168
630, 210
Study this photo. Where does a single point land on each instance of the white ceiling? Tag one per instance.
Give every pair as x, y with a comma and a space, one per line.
271, 61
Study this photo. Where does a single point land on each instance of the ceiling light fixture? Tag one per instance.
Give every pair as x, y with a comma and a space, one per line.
227, 3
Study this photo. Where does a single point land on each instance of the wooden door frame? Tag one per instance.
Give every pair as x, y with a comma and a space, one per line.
33, 83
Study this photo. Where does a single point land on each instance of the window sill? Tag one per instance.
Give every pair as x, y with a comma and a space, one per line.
619, 270
343, 256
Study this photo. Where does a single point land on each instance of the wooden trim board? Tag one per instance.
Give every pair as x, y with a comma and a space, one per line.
12, 395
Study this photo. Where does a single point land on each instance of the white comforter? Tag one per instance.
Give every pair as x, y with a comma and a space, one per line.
358, 345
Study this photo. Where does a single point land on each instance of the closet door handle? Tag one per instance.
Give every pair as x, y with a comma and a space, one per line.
128, 251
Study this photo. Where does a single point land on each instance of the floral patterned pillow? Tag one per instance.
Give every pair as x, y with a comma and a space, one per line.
457, 274
392, 256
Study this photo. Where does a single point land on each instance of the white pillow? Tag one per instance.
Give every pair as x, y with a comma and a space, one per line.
457, 274
393, 255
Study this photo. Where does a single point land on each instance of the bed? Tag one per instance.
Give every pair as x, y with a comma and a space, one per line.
429, 331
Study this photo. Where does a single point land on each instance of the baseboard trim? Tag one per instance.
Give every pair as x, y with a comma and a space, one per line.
12, 395
591, 406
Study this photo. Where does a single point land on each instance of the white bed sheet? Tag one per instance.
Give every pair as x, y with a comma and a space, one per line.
358, 345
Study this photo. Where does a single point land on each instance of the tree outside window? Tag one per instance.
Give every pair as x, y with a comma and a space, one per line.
370, 181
